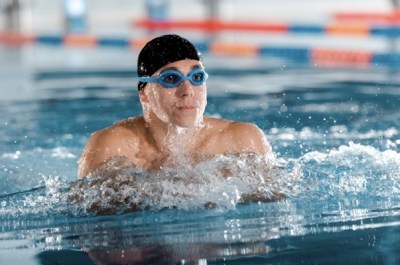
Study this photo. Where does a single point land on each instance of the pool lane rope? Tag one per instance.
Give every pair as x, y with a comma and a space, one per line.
316, 56
342, 26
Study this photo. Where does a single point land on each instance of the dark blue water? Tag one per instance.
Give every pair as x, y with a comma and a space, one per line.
334, 132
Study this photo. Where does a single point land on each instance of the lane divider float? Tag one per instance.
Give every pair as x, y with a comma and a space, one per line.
317, 56
390, 17
358, 28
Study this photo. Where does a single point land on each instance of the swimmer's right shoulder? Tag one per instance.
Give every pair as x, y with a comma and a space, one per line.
114, 139
122, 128
120, 139
133, 125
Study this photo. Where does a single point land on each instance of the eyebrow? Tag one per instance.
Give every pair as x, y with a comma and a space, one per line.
175, 68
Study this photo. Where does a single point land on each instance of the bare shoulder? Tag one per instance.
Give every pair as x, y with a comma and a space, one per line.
109, 142
114, 135
248, 138
240, 136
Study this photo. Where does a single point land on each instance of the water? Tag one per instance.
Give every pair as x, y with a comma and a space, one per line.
334, 133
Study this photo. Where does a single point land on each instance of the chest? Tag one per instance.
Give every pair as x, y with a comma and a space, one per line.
149, 156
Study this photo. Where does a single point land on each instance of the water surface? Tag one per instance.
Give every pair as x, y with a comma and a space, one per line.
335, 136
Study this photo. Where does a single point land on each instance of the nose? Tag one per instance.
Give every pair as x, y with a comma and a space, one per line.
185, 89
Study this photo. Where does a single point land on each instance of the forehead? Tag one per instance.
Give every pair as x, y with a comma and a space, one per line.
182, 65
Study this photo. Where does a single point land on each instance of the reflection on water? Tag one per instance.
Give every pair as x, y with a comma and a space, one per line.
264, 233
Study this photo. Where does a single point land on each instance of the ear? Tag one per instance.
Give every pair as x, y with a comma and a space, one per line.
143, 97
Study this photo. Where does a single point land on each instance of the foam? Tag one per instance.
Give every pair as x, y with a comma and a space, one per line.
335, 132
353, 169
118, 187
351, 176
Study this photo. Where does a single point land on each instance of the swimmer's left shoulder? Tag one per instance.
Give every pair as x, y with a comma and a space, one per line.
248, 137
218, 121
239, 136
244, 127
244, 130
233, 128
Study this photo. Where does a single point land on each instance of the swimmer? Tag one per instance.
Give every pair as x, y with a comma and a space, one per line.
173, 129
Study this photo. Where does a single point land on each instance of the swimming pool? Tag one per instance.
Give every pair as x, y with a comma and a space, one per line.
334, 132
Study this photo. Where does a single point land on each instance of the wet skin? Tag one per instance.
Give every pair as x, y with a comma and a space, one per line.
172, 127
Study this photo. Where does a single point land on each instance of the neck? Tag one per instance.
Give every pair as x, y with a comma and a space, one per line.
173, 139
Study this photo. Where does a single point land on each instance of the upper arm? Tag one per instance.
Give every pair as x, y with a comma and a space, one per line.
248, 137
100, 148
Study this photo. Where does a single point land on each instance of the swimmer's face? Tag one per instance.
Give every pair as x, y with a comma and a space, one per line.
183, 105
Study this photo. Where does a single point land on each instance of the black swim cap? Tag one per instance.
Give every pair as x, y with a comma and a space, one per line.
162, 51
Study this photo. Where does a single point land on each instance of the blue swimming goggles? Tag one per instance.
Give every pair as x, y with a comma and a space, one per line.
173, 78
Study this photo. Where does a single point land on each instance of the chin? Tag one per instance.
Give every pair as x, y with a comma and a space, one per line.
188, 123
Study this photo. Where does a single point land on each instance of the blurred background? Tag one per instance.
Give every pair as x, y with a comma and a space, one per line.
40, 36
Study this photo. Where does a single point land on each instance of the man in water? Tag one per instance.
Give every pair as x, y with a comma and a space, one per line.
172, 130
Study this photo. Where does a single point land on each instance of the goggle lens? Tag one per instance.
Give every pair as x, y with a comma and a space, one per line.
171, 79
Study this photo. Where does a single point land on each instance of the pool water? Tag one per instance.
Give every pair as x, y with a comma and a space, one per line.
334, 132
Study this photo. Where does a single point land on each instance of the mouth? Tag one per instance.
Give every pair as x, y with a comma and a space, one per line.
187, 107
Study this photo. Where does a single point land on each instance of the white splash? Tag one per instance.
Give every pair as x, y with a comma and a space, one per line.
222, 181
